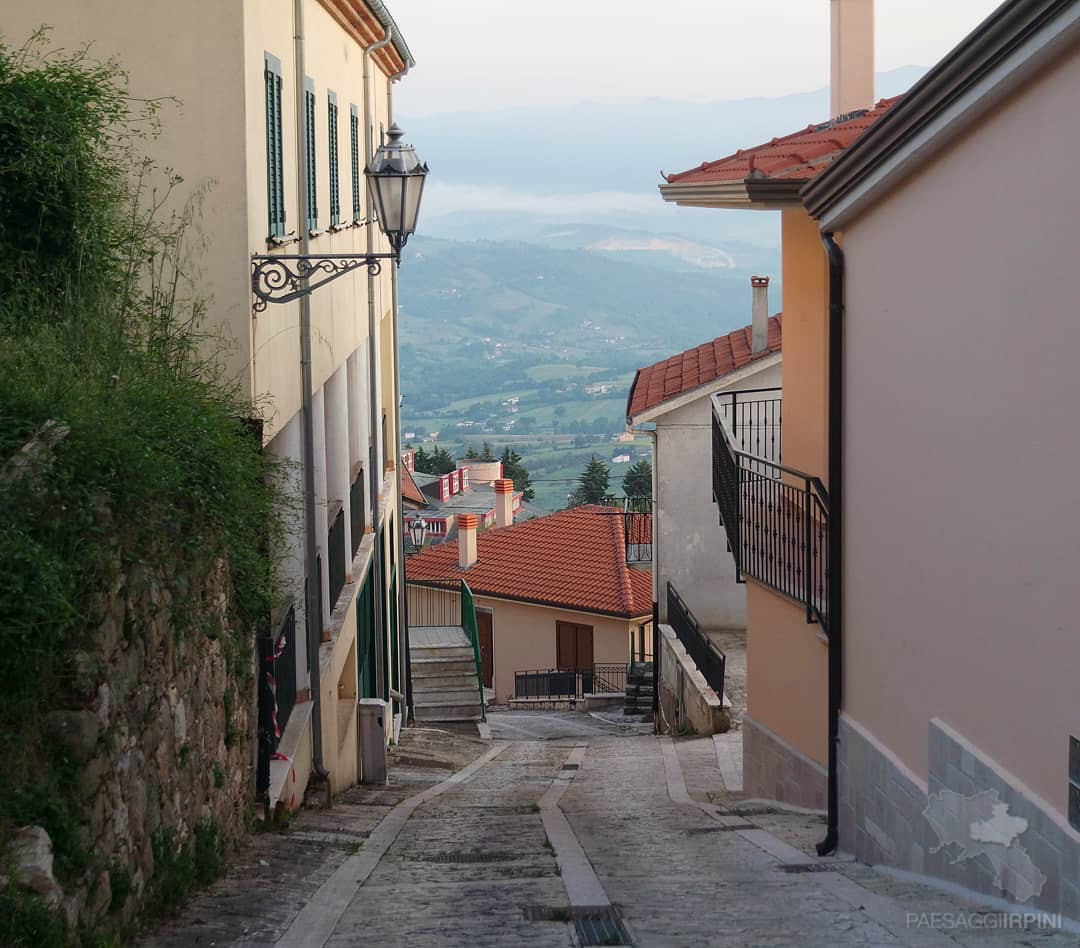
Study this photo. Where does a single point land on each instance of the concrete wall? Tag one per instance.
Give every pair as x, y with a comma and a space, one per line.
690, 544
961, 516
687, 702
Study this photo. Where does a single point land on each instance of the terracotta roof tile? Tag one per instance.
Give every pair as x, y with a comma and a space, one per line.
575, 558
409, 490
680, 373
802, 155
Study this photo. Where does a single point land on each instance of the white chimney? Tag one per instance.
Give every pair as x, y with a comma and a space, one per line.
760, 326
466, 544
851, 80
504, 502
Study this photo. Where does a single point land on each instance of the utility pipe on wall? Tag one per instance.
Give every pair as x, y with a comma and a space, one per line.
311, 579
836, 525
375, 474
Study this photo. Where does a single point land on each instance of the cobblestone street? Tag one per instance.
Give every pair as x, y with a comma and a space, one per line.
578, 839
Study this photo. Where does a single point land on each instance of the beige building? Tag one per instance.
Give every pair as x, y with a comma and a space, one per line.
959, 708
231, 133
554, 597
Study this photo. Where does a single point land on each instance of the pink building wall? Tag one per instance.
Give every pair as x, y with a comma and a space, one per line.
962, 446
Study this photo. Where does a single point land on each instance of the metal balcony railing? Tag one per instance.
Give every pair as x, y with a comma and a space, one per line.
570, 682
637, 514
710, 660
776, 517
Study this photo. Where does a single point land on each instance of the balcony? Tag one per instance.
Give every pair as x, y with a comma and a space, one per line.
776, 517
637, 530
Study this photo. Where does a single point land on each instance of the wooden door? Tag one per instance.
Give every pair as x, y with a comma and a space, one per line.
573, 646
487, 646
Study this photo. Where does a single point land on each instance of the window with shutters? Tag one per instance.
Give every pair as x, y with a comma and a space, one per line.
311, 177
573, 646
354, 159
332, 144
275, 171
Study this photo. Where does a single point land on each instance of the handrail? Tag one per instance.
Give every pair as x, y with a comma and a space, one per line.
777, 530
468, 623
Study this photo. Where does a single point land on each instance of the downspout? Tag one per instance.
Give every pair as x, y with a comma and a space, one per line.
311, 580
836, 532
374, 474
404, 652
656, 637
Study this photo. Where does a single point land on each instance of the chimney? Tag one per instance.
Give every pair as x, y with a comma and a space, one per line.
466, 543
851, 80
760, 328
504, 502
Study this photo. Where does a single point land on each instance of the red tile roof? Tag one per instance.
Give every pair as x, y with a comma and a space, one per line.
802, 155
575, 558
409, 490
698, 366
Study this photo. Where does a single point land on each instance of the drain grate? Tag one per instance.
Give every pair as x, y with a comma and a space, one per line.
808, 867
595, 926
464, 858
701, 830
571, 766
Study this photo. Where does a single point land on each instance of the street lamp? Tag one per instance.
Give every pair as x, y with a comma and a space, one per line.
396, 182
418, 533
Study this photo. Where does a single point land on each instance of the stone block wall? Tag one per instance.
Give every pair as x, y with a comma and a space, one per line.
883, 820
686, 699
146, 727
774, 770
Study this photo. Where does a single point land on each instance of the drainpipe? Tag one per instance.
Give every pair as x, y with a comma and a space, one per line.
404, 652
836, 532
311, 581
374, 475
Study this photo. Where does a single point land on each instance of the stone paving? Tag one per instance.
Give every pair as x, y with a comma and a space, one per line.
474, 866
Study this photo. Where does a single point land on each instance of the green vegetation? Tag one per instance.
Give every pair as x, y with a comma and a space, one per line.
515, 470
120, 442
180, 867
438, 461
593, 485
637, 481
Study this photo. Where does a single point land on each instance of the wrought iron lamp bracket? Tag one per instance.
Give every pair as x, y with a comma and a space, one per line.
283, 277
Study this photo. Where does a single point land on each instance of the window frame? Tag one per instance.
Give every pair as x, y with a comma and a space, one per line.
332, 147
275, 149
311, 178
354, 160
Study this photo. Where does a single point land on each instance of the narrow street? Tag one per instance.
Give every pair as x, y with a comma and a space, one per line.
597, 835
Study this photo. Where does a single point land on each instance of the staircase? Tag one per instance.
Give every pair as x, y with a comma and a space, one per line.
639, 690
444, 675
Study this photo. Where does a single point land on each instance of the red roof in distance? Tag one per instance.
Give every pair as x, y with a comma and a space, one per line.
688, 370
802, 155
575, 558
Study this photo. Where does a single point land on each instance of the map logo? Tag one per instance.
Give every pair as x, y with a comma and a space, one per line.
981, 826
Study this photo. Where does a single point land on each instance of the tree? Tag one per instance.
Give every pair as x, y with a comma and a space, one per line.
515, 470
485, 452
637, 481
422, 461
442, 462
471, 454
592, 485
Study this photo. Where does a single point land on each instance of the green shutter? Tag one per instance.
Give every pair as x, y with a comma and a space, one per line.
332, 140
354, 156
275, 173
309, 141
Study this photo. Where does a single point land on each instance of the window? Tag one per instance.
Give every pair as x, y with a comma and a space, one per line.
332, 143
1074, 782
354, 158
573, 646
311, 178
275, 172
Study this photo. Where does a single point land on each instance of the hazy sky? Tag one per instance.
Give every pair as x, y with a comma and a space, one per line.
493, 54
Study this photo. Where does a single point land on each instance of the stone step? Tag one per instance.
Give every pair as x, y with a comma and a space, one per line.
458, 652
422, 698
429, 667
448, 712
457, 680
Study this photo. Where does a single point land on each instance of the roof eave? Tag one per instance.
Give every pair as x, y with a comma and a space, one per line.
756, 194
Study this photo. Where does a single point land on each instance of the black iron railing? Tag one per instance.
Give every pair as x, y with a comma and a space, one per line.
335, 543
755, 419
276, 693
711, 662
356, 510
776, 519
638, 529
570, 683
